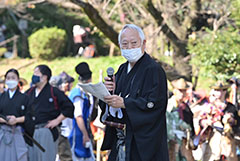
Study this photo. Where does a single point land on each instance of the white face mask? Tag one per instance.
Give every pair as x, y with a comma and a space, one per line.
132, 55
11, 84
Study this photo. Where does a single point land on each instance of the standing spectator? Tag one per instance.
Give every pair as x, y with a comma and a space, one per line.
64, 82
80, 138
179, 122
51, 106
13, 109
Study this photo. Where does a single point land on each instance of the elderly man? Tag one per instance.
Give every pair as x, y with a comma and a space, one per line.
135, 112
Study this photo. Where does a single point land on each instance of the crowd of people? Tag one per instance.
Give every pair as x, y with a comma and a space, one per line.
203, 126
142, 120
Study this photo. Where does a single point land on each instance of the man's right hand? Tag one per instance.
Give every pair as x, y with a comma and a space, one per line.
109, 83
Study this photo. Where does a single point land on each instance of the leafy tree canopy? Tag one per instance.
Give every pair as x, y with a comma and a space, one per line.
218, 51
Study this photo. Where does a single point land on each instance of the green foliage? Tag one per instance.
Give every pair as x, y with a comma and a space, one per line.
47, 43
236, 12
53, 15
218, 53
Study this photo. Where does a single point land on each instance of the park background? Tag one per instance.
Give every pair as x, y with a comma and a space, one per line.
195, 39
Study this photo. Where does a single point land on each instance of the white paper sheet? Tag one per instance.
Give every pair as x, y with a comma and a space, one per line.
98, 90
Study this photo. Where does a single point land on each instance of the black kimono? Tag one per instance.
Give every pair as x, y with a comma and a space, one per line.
18, 105
144, 90
44, 106
12, 145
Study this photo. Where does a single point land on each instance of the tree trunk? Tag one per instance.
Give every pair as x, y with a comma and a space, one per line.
181, 63
101, 24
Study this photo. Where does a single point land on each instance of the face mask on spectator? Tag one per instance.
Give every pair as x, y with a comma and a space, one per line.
35, 79
11, 84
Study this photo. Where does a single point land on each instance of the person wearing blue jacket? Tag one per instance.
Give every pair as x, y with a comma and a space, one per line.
79, 138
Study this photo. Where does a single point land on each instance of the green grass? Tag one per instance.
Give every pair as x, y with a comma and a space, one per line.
66, 64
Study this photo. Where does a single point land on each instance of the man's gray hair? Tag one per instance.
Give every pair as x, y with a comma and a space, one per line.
132, 26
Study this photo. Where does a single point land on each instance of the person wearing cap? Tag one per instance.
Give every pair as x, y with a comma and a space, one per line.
50, 106
67, 82
80, 137
179, 122
222, 117
135, 112
64, 82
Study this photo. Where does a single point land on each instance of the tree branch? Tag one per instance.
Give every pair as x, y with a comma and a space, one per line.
101, 24
192, 17
177, 43
65, 4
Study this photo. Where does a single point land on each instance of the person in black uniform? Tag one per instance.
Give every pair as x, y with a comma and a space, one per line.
13, 108
50, 106
135, 112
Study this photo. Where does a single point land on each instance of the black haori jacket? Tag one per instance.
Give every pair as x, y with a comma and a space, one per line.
144, 90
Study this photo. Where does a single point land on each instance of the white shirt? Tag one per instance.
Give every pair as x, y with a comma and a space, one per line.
36, 92
129, 68
66, 127
78, 104
11, 93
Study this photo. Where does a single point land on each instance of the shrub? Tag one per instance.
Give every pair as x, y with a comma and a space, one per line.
47, 43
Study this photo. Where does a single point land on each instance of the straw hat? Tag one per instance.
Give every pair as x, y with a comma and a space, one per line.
220, 85
23, 81
181, 84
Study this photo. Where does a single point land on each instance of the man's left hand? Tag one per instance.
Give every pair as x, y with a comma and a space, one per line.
114, 101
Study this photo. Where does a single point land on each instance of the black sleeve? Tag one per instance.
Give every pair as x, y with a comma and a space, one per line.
65, 104
29, 123
153, 94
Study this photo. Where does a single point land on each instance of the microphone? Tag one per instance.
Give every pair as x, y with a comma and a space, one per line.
110, 72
